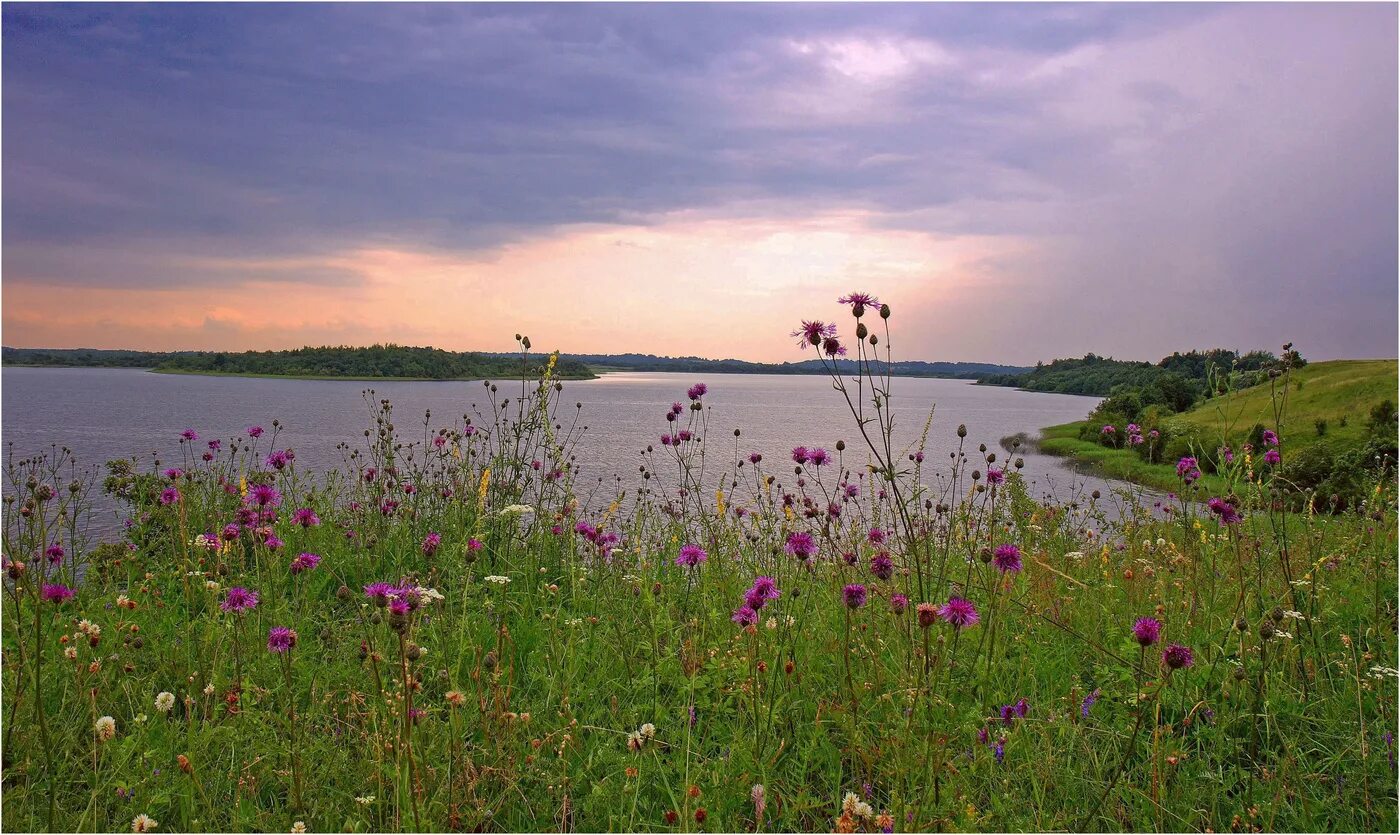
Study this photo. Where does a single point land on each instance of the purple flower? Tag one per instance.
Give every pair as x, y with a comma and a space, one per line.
55, 553
174, 473
1224, 510
762, 590
1107, 429
754, 458
691, 556
799, 454
380, 592
1088, 703
1187, 469
999, 750
169, 496
279, 459
854, 595
1272, 457
744, 616
1177, 656
215, 445
1270, 438
305, 562
1007, 559
306, 517
858, 302
190, 435
1147, 631
272, 542
280, 639
812, 333
995, 476
696, 391
56, 592
832, 347
876, 536
263, 495
800, 544
431, 543
882, 566
255, 431
817, 457
898, 603
239, 599
959, 612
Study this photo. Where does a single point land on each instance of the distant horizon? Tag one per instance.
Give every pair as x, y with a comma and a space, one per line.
1037, 180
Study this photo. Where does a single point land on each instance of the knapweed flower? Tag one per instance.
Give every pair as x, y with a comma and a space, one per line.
1272, 457
1223, 510
854, 595
959, 612
169, 496
762, 591
691, 556
1108, 429
190, 435
306, 517
799, 454
812, 333
882, 566
144, 823
926, 613
1187, 469
696, 391
859, 302
56, 592
1007, 558
165, 701
1147, 631
832, 347
264, 496
995, 476
239, 599
1177, 656
898, 603
431, 543
278, 459
817, 457
55, 553
255, 431
105, 728
1270, 438
800, 544
744, 616
280, 639
305, 562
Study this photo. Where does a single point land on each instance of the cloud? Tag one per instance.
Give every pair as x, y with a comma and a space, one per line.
1160, 177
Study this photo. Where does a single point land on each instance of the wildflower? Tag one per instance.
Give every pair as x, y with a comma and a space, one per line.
995, 476
648, 731
882, 566
56, 592
799, 454
759, 797
1272, 457
800, 544
1187, 470
144, 822
859, 302
263, 496
431, 543
926, 613
305, 562
365, 800
239, 599
272, 542
959, 612
832, 347
255, 431
299, 827
812, 333
817, 457
1226, 512
691, 556
854, 595
279, 459
1088, 703
306, 517
1177, 656
898, 603
280, 639
1270, 437
1108, 429
169, 496
105, 728
517, 510
744, 616
498, 579
380, 593
190, 435
764, 589
165, 701
1147, 631
229, 533
1007, 559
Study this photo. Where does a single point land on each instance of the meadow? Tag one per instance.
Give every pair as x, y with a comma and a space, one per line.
443, 635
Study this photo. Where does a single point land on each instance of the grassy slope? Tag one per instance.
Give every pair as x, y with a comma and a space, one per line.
1324, 390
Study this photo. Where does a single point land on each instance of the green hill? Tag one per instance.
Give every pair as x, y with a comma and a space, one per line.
1328, 427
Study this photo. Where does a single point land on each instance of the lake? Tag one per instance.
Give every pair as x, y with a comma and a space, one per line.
103, 413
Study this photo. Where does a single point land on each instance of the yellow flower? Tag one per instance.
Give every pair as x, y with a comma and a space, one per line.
719, 502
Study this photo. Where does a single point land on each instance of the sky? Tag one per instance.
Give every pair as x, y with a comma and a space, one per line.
1019, 182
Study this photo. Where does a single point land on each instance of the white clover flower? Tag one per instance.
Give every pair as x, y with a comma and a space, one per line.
211, 585
106, 728
848, 803
71, 653
299, 826
648, 730
208, 689
864, 810
165, 701
144, 823
634, 741
1161, 542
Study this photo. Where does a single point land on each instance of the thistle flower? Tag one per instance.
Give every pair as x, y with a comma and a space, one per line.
280, 639
691, 556
744, 616
959, 613
255, 431
1178, 657
995, 476
1147, 631
105, 728
380, 593
799, 455
263, 496
854, 595
1007, 559
1270, 437
817, 457
165, 701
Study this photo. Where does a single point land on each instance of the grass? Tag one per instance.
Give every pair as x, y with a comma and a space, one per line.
1340, 392
546, 665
